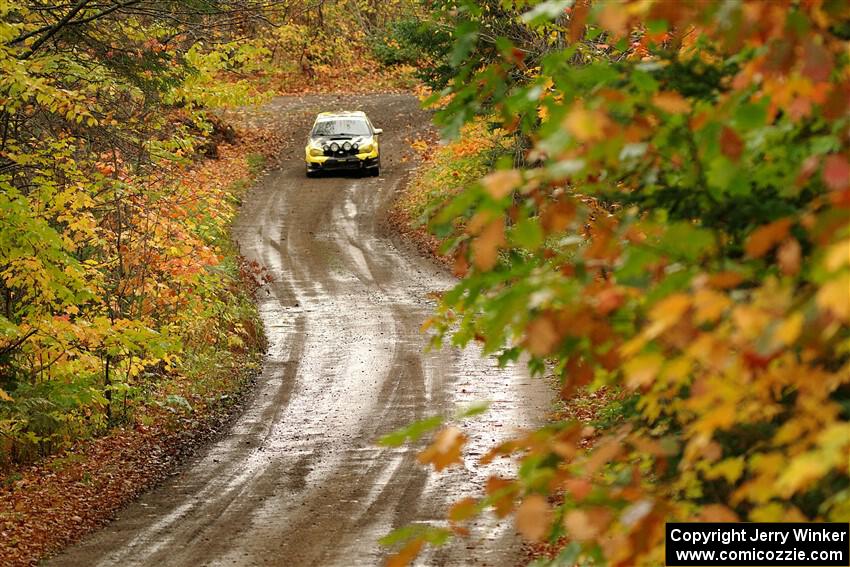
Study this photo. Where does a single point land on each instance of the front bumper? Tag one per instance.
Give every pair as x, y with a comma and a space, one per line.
358, 161
333, 163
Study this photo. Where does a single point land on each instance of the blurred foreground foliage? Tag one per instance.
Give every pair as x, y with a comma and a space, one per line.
673, 227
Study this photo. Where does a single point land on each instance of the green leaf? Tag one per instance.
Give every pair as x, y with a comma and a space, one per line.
412, 432
528, 234
473, 410
431, 534
751, 115
684, 241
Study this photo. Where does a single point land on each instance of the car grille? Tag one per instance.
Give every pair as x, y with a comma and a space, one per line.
340, 152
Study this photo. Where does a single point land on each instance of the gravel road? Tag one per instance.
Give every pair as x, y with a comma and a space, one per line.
298, 479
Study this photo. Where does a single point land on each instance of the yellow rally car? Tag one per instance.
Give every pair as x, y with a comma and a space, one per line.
343, 140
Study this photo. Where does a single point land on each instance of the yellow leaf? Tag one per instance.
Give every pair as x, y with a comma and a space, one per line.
750, 320
802, 472
642, 370
730, 469
709, 305
667, 313
834, 296
773, 512
5, 397
789, 330
534, 517
838, 256
789, 432
500, 183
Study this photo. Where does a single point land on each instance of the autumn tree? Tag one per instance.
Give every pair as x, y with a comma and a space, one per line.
103, 263
676, 232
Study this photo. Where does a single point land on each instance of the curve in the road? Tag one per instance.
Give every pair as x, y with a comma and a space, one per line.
298, 480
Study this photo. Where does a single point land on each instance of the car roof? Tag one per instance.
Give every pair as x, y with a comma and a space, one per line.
343, 114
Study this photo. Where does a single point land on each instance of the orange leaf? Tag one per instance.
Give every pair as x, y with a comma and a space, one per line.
717, 513
463, 510
557, 216
788, 257
725, 280
541, 336
602, 455
461, 265
836, 172
534, 517
578, 17
731, 144
500, 183
709, 305
614, 19
485, 246
578, 488
585, 525
671, 102
766, 237
445, 450
577, 373
586, 125
817, 62
505, 502
407, 554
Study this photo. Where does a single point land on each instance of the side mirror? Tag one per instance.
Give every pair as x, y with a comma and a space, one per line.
378, 131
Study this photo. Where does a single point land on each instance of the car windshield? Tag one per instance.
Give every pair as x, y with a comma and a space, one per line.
341, 127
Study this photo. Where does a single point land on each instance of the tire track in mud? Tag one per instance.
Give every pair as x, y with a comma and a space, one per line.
298, 479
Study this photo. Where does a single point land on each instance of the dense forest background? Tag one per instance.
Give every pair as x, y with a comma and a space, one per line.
117, 276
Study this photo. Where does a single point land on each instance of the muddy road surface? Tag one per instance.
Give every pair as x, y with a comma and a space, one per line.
298, 480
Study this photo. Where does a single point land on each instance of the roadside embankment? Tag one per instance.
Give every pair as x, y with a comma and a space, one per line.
46, 506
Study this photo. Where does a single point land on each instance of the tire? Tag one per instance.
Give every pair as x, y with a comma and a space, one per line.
375, 171
312, 174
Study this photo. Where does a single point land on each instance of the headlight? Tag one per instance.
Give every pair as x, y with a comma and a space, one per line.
334, 147
317, 152
366, 148
346, 146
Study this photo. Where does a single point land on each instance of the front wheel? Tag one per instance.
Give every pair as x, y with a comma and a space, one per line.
311, 173
375, 171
